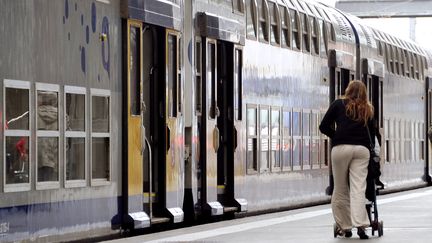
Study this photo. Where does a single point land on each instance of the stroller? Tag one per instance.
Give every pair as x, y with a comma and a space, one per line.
372, 190
373, 186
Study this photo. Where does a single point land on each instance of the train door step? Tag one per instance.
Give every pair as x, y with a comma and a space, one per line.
159, 220
230, 209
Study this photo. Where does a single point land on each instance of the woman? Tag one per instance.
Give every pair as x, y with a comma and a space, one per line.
350, 157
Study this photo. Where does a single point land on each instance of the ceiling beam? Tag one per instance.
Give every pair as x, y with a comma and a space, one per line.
386, 8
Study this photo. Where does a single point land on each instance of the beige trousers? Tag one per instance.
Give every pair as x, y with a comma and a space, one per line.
349, 167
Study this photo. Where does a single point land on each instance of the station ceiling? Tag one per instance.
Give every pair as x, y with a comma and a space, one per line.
386, 8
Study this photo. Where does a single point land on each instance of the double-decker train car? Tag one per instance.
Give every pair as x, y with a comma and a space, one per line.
120, 115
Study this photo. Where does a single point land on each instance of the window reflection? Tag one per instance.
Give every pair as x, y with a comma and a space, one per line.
100, 114
47, 159
75, 112
47, 111
17, 109
100, 158
75, 158
17, 161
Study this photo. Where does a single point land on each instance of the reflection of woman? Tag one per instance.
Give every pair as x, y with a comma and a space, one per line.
350, 157
47, 147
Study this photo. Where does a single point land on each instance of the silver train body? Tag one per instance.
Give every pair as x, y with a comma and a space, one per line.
120, 115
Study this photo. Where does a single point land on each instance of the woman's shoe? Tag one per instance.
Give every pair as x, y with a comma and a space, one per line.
362, 234
348, 233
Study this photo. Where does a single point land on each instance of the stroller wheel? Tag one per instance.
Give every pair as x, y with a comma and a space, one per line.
380, 228
335, 230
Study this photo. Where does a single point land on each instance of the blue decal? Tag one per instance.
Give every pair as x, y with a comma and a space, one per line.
83, 60
87, 34
93, 17
66, 8
106, 53
190, 51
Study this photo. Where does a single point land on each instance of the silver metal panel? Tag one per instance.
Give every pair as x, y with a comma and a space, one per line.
177, 214
140, 219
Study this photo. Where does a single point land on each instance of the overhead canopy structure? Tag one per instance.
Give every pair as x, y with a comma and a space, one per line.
386, 8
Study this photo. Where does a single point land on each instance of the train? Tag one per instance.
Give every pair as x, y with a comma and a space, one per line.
122, 115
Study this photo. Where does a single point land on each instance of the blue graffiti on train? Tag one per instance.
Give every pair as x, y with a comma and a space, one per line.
103, 36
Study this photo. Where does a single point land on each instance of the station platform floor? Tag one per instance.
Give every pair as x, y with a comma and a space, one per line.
407, 217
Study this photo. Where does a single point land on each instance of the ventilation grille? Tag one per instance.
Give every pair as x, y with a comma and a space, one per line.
344, 27
367, 36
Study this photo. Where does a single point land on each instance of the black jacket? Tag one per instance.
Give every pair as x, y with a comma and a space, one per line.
347, 130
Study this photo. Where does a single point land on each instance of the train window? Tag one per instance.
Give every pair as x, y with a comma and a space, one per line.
315, 36
286, 143
252, 139
412, 65
17, 135
238, 84
238, 5
325, 37
386, 139
135, 70
198, 77
295, 29
306, 139
391, 58
172, 68
275, 138
420, 67
211, 80
406, 63
100, 136
380, 49
263, 20
305, 33
332, 33
264, 133
416, 66
251, 19
315, 140
297, 142
47, 142
422, 141
75, 136
396, 59
323, 146
402, 62
285, 23
274, 24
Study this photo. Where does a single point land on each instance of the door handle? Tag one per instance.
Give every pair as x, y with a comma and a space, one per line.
235, 139
216, 139
168, 138
143, 139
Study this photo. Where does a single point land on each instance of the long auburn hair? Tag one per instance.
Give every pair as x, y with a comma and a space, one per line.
358, 108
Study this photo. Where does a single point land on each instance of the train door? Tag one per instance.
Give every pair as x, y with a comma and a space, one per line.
133, 142
339, 79
209, 131
228, 101
153, 147
428, 147
164, 178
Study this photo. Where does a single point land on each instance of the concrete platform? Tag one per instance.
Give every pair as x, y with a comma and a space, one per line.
407, 217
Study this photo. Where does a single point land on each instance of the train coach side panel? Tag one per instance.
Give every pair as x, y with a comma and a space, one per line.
73, 46
287, 81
